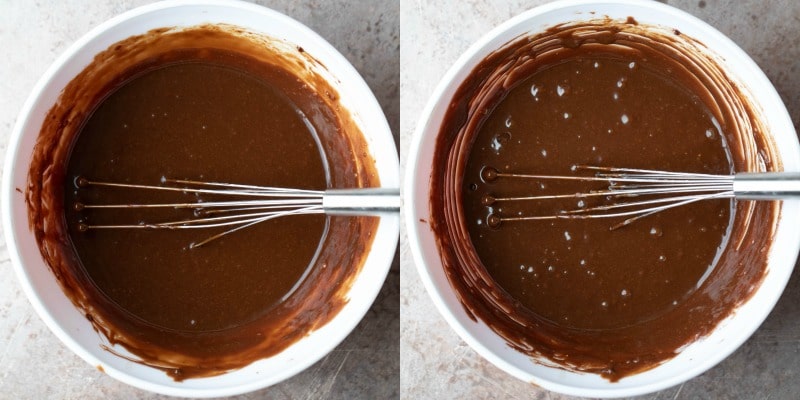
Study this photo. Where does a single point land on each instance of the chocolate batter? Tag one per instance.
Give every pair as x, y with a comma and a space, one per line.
210, 103
613, 302
604, 109
197, 120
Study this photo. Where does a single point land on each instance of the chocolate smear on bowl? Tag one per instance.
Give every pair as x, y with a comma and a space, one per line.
207, 103
573, 293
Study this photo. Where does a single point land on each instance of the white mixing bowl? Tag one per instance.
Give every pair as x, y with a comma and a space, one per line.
696, 357
41, 286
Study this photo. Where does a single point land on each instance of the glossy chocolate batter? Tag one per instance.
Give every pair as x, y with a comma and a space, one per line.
613, 302
595, 108
198, 120
209, 103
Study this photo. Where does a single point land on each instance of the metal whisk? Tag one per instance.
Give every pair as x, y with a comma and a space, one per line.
638, 193
245, 205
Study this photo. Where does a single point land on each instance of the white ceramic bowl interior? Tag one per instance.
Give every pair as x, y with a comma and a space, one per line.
40, 285
696, 357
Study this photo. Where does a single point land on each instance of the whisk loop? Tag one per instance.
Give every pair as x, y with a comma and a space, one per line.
638, 193
243, 205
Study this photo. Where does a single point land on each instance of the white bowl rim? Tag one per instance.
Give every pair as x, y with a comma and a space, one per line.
383, 246
413, 213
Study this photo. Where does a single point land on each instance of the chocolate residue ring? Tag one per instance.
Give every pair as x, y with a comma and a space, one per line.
627, 350
190, 352
348, 283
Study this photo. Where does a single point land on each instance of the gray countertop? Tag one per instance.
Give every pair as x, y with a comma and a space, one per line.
34, 364
435, 362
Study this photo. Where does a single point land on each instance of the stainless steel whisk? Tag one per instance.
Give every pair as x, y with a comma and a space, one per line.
638, 193
246, 205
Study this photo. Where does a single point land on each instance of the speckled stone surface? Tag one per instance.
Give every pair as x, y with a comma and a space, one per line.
435, 362
34, 364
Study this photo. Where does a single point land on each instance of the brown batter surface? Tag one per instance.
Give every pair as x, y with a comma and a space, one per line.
595, 109
209, 103
613, 302
199, 121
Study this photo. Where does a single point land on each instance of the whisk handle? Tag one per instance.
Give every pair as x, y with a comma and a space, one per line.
364, 201
767, 186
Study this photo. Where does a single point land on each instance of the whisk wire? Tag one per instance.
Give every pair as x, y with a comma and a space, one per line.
229, 209
247, 190
658, 190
